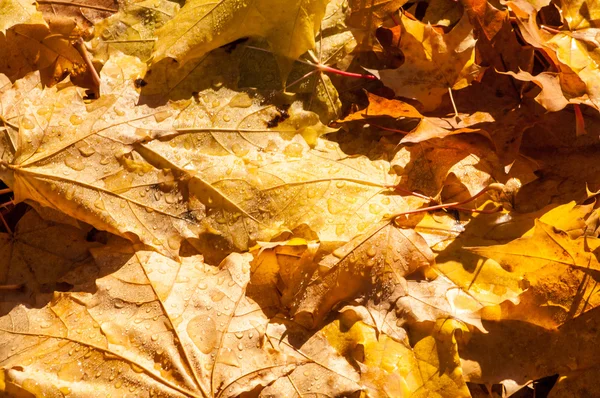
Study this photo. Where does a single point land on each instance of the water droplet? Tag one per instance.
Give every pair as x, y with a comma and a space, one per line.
226, 118
86, 151
104, 160
241, 100
374, 208
118, 384
99, 204
75, 162
334, 207
162, 116
26, 123
76, 120
203, 332
217, 296
240, 347
44, 110
293, 150
371, 251
239, 150
71, 372
136, 368
340, 184
173, 243
216, 103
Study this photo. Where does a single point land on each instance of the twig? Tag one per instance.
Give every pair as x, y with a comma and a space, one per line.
80, 47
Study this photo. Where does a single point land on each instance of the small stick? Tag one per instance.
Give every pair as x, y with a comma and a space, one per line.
11, 287
389, 129
453, 205
80, 47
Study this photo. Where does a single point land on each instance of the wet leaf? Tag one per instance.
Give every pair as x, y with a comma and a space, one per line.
202, 26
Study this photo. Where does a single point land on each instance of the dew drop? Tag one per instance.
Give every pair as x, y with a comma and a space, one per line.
371, 251
334, 207
241, 100
203, 332
293, 150
71, 371
75, 162
44, 110
162, 116
239, 150
86, 151
136, 368
75, 120
173, 243
27, 124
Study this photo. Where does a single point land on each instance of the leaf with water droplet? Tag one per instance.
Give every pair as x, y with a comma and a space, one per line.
370, 266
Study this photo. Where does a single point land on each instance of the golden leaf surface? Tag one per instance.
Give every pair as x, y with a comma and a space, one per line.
202, 26
435, 62
153, 325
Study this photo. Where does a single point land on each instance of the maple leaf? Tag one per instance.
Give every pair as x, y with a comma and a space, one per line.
85, 13
132, 30
184, 329
540, 259
14, 12
571, 50
276, 188
367, 15
38, 253
446, 233
434, 63
370, 264
202, 26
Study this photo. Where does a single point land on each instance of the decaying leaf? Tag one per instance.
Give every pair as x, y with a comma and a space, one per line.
435, 63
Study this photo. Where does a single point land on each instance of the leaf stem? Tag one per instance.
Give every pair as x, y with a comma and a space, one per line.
455, 205
5, 224
11, 287
453, 104
329, 69
389, 129
80, 47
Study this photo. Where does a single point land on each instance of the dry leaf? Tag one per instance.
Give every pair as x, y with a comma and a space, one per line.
435, 63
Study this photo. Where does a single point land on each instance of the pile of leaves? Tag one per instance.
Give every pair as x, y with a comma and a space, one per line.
382, 198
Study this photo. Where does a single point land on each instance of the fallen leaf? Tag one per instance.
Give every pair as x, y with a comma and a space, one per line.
85, 13
371, 264
202, 26
435, 63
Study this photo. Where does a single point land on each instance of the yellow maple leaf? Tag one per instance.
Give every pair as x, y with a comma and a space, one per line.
435, 63
202, 25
